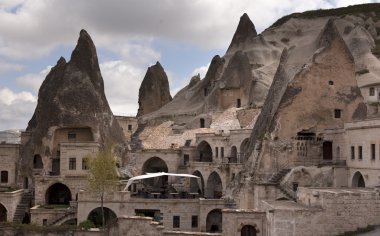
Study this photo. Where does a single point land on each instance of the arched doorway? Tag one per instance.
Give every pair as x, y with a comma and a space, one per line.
233, 155
194, 184
327, 151
96, 216
244, 150
37, 162
358, 180
214, 221
58, 194
3, 213
154, 165
214, 188
205, 152
248, 230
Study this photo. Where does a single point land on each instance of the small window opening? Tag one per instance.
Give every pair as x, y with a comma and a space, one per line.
202, 121
71, 136
331, 82
129, 127
352, 153
238, 103
72, 163
337, 113
176, 221
372, 91
186, 158
373, 151
194, 221
360, 153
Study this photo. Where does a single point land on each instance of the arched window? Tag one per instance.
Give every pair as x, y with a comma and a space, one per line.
214, 221
58, 194
96, 216
205, 152
214, 188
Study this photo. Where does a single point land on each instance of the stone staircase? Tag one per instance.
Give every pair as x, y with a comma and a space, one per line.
22, 207
287, 192
67, 216
277, 177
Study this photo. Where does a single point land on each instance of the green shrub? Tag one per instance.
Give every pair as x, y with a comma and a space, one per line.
87, 224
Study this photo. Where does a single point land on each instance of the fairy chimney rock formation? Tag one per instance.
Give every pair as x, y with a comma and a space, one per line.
246, 30
154, 91
72, 96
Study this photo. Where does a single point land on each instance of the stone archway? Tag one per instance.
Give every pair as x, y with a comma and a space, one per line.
154, 165
205, 152
58, 194
358, 180
194, 184
3, 213
248, 230
214, 187
96, 216
214, 221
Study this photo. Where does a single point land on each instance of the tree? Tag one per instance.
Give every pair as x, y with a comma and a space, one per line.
102, 174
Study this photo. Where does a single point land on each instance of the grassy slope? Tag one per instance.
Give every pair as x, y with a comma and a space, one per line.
356, 9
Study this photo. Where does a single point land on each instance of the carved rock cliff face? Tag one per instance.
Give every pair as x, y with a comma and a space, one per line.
244, 33
154, 91
71, 96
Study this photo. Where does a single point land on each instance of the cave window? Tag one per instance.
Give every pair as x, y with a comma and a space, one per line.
4, 176
202, 122
84, 163
176, 221
373, 151
129, 127
205, 92
71, 136
194, 221
372, 91
337, 113
238, 103
331, 82
72, 163
186, 159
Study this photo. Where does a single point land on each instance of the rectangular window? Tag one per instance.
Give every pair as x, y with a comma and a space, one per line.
84, 164
372, 91
216, 151
129, 127
352, 152
176, 221
373, 151
4, 176
337, 113
72, 163
360, 153
186, 159
194, 221
71, 136
222, 151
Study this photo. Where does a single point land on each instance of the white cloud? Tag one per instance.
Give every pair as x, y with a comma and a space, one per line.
39, 26
6, 67
33, 80
201, 71
16, 108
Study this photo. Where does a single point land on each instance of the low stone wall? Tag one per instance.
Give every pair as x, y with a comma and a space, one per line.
324, 211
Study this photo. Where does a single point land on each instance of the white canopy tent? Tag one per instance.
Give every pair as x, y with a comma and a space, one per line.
159, 174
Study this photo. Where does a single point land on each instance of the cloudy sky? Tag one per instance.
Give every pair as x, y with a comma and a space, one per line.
130, 35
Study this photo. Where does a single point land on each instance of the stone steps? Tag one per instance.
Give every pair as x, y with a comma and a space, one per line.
22, 207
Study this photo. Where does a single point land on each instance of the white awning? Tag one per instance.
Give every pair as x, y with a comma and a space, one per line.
154, 175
